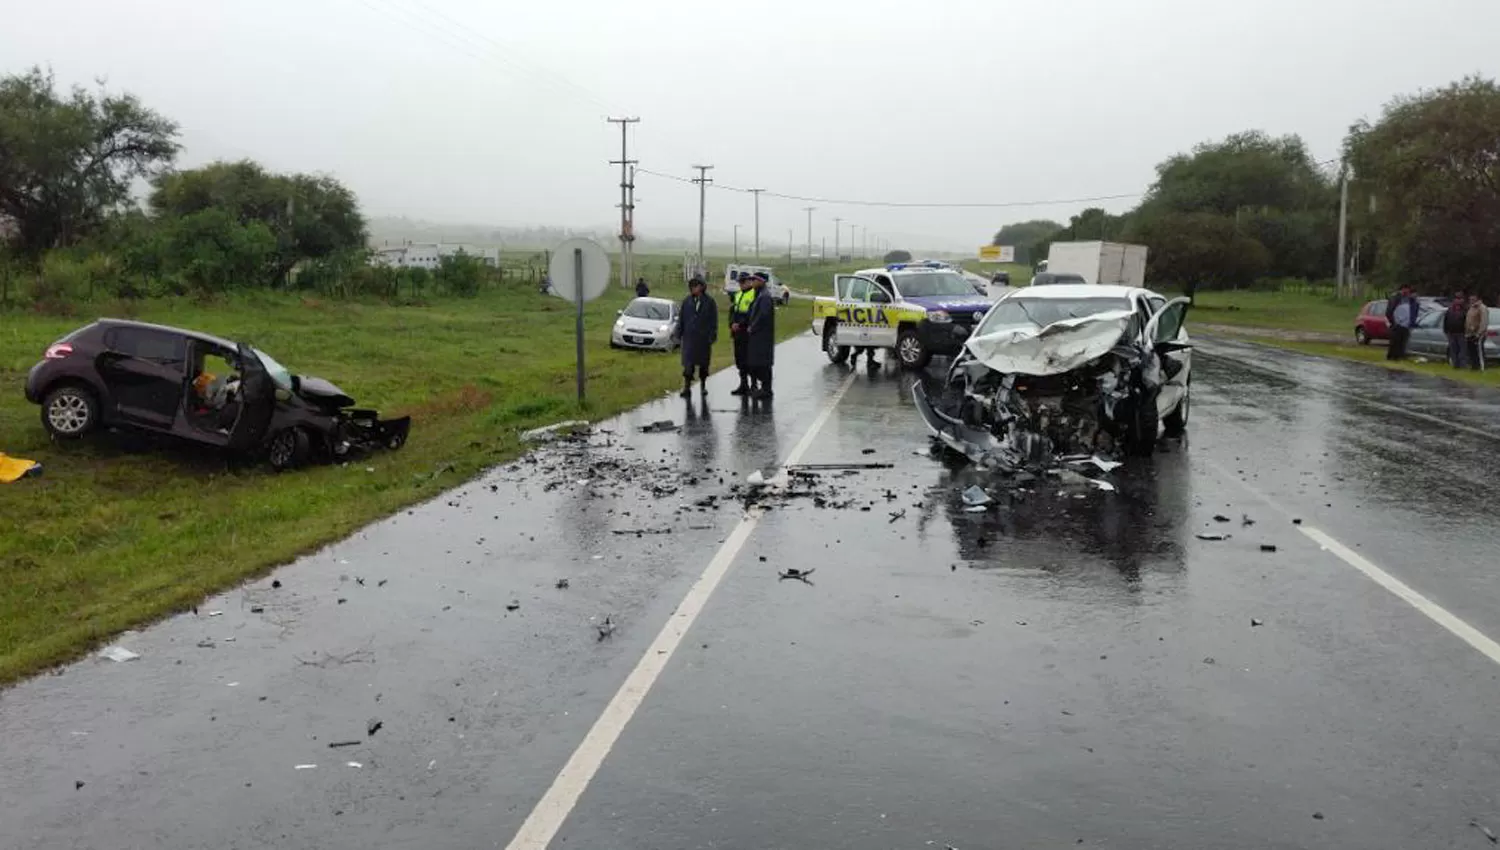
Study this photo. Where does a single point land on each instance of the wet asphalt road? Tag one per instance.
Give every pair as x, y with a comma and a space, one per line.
1074, 668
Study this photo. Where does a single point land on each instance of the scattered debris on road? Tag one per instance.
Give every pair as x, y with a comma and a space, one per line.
305, 767
1211, 535
562, 584
513, 606
836, 467
1255, 622
1209, 660
796, 574
606, 628
975, 496
276, 583
660, 427
1246, 521
640, 531
353, 764
895, 515
1220, 518
78, 784
337, 744
572, 427
755, 478
373, 725
1317, 815
119, 653
1486, 830
1268, 547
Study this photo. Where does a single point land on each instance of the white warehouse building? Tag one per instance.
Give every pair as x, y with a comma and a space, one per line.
428, 255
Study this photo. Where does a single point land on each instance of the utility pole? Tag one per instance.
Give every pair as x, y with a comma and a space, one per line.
837, 257
702, 180
627, 200
1343, 227
853, 241
789, 247
736, 243
823, 251
756, 193
809, 211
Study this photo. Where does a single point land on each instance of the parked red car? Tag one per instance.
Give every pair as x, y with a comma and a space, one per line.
1372, 324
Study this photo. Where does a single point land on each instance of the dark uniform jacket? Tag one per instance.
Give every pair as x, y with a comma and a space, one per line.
698, 328
760, 351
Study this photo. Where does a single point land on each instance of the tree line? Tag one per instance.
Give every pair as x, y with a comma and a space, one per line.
72, 228
1424, 203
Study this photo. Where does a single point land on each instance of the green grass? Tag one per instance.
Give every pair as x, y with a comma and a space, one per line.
110, 537
1375, 356
1278, 310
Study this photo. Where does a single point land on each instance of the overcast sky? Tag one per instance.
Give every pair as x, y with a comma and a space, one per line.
493, 112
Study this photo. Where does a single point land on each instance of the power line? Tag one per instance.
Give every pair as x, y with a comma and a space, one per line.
868, 203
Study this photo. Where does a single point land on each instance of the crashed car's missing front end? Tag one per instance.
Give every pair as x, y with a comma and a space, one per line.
1021, 397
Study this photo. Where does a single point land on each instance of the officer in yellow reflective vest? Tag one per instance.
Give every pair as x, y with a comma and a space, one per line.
739, 315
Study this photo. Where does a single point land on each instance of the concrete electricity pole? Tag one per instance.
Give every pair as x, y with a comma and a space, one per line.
837, 257
702, 180
756, 193
627, 200
809, 211
1343, 228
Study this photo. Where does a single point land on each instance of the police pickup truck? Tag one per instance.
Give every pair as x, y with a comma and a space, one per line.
916, 309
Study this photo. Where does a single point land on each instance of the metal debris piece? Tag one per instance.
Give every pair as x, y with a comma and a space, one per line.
895, 515
1211, 535
1255, 622
1317, 815
553, 431
305, 767
1296, 520
794, 573
606, 628
206, 643
336, 744
976, 496
1220, 518
373, 725
1105, 465
659, 427
257, 609
382, 582
841, 466
562, 584
1246, 521
216, 613
78, 784
513, 605
276, 583
756, 477
119, 653
1209, 660
867, 451
1268, 547
639, 531
1102, 485
1486, 830
353, 764
976, 509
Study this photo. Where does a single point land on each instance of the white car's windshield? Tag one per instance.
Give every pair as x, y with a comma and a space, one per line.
1041, 312
639, 309
279, 374
931, 284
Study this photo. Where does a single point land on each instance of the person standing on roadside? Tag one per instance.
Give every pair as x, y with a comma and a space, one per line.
760, 330
1476, 329
642, 290
739, 319
1401, 311
697, 330
1453, 328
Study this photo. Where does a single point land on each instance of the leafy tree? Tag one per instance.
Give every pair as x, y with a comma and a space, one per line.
211, 251
1091, 224
68, 159
461, 274
1023, 235
897, 256
1430, 167
1245, 170
1199, 249
311, 217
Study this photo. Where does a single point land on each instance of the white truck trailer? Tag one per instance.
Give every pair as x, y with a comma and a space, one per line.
1100, 262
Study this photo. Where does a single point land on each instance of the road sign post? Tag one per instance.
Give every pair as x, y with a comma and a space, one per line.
584, 263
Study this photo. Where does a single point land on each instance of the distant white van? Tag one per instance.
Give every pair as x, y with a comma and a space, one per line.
734, 271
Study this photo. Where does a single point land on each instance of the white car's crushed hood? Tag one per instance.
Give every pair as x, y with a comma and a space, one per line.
1057, 348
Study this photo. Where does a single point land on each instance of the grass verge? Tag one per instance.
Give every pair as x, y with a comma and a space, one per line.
1375, 356
118, 532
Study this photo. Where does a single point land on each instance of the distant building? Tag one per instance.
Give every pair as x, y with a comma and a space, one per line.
428, 255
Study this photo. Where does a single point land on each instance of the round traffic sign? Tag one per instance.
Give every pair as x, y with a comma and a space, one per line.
571, 257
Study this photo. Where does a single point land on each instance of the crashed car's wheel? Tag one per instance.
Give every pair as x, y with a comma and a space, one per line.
836, 353
911, 351
1361, 336
1142, 425
1177, 421
287, 449
69, 412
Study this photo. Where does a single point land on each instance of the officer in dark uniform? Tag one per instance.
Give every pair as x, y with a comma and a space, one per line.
697, 329
739, 314
641, 289
760, 330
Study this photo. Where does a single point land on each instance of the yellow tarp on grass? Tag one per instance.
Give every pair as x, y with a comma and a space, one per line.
15, 468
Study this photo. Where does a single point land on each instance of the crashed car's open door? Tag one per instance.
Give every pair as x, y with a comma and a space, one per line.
1170, 341
257, 402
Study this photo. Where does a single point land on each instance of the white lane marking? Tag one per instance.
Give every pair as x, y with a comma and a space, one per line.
1378, 405
1398, 588
554, 807
1433, 611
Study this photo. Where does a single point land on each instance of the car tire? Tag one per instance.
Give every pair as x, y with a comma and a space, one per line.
1142, 426
837, 354
1177, 421
287, 449
70, 411
911, 351
1361, 336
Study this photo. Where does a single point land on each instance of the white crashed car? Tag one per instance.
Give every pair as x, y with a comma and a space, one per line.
1065, 370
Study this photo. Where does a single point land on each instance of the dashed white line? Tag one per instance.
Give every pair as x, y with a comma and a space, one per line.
547, 817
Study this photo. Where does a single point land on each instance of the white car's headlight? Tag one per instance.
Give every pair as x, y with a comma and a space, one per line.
619, 323
938, 317
663, 329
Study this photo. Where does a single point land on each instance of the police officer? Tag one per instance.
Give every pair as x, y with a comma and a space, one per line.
641, 289
698, 329
760, 332
739, 313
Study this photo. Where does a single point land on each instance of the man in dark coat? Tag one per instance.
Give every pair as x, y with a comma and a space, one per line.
641, 289
1402, 312
760, 328
739, 314
1453, 327
698, 329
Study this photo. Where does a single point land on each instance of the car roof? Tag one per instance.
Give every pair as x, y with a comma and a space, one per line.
198, 335
1081, 290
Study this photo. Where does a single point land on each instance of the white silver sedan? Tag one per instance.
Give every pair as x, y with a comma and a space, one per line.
646, 323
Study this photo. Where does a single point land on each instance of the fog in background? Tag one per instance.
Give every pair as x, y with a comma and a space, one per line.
493, 112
